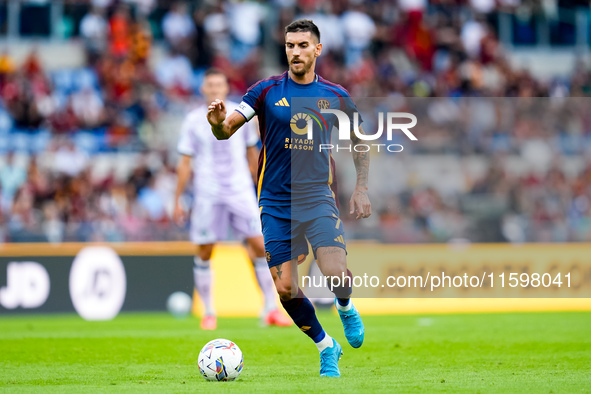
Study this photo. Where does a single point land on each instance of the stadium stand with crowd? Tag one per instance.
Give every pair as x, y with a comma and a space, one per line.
88, 152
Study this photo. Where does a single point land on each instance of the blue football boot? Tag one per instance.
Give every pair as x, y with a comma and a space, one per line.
329, 360
354, 329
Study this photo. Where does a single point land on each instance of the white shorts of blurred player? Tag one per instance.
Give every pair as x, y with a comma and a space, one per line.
212, 219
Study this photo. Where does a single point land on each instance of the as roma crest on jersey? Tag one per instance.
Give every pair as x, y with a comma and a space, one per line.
323, 104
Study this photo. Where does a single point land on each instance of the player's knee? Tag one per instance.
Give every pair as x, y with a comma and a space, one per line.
284, 290
335, 268
205, 256
205, 252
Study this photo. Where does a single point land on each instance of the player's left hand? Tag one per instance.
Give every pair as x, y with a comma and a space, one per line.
216, 112
360, 204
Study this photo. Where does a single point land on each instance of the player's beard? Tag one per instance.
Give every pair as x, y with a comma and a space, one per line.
303, 71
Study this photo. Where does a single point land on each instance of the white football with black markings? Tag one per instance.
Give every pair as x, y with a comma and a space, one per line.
220, 360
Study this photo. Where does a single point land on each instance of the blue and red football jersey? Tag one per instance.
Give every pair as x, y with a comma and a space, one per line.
293, 168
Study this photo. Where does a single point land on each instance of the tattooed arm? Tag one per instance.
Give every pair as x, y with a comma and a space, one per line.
359, 202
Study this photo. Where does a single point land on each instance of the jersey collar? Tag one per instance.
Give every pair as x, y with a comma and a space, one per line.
301, 85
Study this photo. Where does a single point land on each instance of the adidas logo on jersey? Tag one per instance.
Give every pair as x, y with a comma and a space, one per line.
340, 239
282, 103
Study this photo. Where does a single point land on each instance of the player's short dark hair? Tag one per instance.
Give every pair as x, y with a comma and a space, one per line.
303, 25
213, 71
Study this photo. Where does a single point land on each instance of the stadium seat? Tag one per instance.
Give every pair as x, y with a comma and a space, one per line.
197, 80
6, 122
63, 81
588, 143
500, 142
570, 144
101, 141
86, 141
61, 99
85, 78
39, 141
4, 143
20, 141
28, 141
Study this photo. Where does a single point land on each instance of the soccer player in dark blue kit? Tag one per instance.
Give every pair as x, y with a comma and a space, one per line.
294, 179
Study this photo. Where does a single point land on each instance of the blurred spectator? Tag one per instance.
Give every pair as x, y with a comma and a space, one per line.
141, 44
178, 27
416, 39
7, 65
245, 19
69, 159
53, 227
120, 132
140, 176
39, 181
12, 176
483, 6
201, 48
175, 74
330, 26
120, 26
412, 5
217, 27
359, 30
517, 169
165, 185
25, 220
102, 3
151, 200
94, 30
89, 109
143, 7
133, 218
20, 97
473, 32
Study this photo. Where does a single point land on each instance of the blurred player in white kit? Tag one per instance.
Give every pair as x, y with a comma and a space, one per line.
223, 197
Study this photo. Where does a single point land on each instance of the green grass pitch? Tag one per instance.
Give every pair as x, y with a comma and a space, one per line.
496, 353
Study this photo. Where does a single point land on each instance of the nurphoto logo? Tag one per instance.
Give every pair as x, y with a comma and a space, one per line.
344, 129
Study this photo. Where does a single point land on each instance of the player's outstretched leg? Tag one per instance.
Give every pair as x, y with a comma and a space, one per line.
271, 315
202, 277
333, 264
303, 314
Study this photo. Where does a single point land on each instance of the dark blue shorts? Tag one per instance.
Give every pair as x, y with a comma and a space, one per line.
286, 236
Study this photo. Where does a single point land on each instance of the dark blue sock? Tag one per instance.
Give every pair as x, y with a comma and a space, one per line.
302, 312
344, 289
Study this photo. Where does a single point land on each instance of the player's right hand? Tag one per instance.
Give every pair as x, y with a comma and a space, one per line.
216, 112
178, 215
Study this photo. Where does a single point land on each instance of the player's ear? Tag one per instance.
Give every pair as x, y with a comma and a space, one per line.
318, 49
